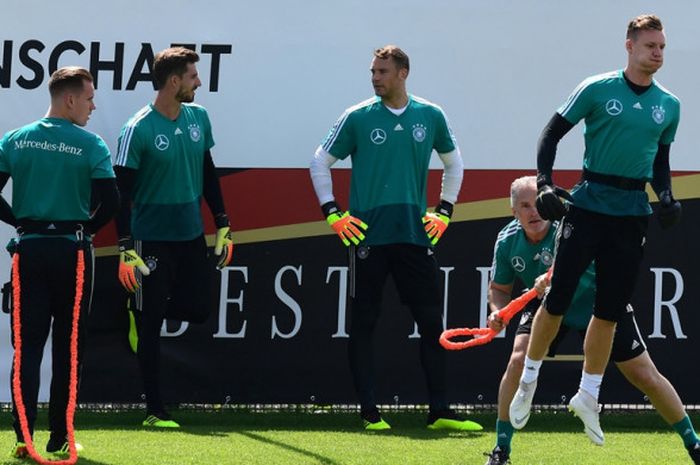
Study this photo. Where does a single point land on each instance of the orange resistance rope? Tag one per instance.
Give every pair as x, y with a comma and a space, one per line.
73, 386
485, 335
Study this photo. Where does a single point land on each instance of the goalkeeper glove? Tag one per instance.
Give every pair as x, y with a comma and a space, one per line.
223, 247
346, 226
436, 223
669, 212
128, 261
549, 205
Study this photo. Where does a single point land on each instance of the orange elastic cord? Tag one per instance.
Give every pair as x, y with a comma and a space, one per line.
482, 336
17, 366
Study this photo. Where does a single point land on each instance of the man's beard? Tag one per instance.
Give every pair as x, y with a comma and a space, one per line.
185, 97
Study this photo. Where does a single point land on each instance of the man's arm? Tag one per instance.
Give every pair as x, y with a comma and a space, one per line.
106, 191
223, 245
669, 212
212, 187
320, 171
128, 258
436, 222
549, 205
6, 214
498, 297
553, 132
346, 226
126, 179
661, 180
452, 175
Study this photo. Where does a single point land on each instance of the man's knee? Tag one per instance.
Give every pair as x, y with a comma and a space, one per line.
516, 364
641, 373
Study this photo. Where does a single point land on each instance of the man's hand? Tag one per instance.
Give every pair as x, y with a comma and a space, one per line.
549, 205
495, 322
223, 246
669, 212
541, 284
346, 226
436, 223
128, 260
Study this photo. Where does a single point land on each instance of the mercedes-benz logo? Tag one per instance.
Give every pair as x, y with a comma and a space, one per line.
377, 136
161, 142
518, 263
613, 107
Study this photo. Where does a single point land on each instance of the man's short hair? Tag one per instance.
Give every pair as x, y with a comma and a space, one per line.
68, 78
171, 61
643, 23
397, 55
517, 185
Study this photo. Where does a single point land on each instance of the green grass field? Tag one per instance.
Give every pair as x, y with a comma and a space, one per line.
237, 437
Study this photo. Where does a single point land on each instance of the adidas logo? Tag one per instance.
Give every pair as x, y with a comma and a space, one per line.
688, 431
635, 344
398, 127
178, 132
51, 226
637, 106
503, 435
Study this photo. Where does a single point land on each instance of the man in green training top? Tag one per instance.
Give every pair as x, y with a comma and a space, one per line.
390, 139
524, 251
164, 167
58, 170
631, 121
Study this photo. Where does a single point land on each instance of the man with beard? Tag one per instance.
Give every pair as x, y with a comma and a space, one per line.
164, 167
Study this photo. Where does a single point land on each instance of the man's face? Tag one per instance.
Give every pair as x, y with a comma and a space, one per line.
387, 79
646, 52
189, 82
81, 104
525, 212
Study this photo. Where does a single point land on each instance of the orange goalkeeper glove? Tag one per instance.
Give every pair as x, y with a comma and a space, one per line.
346, 226
129, 262
436, 223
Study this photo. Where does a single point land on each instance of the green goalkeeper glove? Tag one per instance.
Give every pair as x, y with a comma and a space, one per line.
436, 223
346, 226
223, 246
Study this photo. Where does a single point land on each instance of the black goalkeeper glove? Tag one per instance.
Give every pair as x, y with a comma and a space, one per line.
669, 212
549, 205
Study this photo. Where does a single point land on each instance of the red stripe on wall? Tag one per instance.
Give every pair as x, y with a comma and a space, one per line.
265, 197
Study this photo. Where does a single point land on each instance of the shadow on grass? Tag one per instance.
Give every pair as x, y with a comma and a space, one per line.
297, 450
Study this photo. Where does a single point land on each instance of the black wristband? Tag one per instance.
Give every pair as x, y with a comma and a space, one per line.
666, 197
329, 208
221, 221
444, 208
544, 179
125, 243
